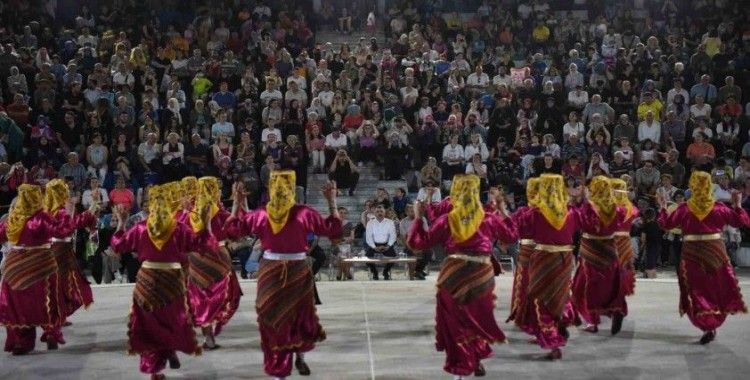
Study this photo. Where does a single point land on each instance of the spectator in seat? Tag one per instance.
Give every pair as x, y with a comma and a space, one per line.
94, 195
453, 158
380, 239
647, 178
73, 168
121, 195
700, 152
706, 89
650, 104
344, 172
149, 153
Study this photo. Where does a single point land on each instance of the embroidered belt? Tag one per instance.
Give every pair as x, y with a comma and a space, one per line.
284, 256
699, 237
526, 242
475, 259
65, 240
622, 233
160, 266
596, 237
553, 248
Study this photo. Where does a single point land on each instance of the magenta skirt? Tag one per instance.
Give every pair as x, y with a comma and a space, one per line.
217, 303
596, 287
74, 291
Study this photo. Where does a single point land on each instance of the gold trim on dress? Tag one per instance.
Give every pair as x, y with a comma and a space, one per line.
621, 233
160, 266
553, 248
596, 237
475, 259
702, 237
526, 242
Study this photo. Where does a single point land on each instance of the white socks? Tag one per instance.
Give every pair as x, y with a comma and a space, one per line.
458, 378
279, 378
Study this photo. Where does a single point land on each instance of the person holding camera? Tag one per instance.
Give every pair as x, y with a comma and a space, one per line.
344, 172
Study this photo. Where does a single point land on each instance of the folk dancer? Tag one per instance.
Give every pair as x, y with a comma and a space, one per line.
623, 243
213, 288
160, 321
465, 324
28, 291
285, 304
596, 285
549, 311
708, 286
74, 289
521, 271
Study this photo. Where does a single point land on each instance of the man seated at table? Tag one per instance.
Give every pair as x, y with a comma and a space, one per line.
380, 237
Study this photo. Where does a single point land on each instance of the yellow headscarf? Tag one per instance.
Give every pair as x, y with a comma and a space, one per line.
173, 194
701, 200
602, 200
532, 191
209, 193
190, 187
55, 195
620, 194
552, 199
28, 203
161, 221
467, 213
282, 192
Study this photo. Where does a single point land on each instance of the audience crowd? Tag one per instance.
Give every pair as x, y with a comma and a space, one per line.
126, 94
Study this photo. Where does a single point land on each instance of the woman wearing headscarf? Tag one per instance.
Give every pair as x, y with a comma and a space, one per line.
74, 290
548, 308
160, 321
596, 284
213, 288
464, 322
623, 243
521, 273
28, 291
287, 319
708, 285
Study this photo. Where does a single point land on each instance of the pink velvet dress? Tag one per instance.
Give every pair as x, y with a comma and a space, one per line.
549, 310
708, 286
626, 253
74, 289
285, 305
32, 301
465, 325
158, 333
213, 288
596, 288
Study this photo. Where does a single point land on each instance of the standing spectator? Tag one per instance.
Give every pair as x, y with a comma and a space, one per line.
74, 169
647, 178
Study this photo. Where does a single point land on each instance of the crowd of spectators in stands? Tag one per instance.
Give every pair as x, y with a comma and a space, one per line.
126, 94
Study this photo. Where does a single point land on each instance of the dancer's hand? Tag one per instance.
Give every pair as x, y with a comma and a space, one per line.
206, 216
502, 209
329, 191
736, 199
418, 210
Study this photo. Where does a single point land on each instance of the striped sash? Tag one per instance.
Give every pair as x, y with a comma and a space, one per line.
208, 269
709, 254
25, 266
549, 279
600, 253
283, 287
157, 288
624, 250
465, 280
64, 256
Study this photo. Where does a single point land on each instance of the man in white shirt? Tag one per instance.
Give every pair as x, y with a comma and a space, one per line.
335, 141
678, 89
294, 93
478, 80
578, 98
380, 238
326, 95
123, 76
649, 129
271, 92
502, 77
149, 152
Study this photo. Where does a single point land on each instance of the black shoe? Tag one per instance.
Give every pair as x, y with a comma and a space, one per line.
302, 367
419, 276
480, 371
174, 362
243, 274
708, 337
617, 323
52, 345
564, 332
375, 277
387, 276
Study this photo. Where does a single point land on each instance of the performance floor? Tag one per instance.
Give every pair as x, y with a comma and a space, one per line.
384, 330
